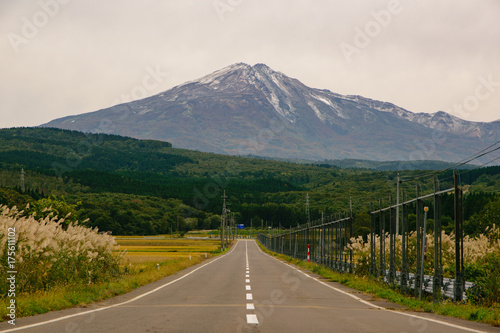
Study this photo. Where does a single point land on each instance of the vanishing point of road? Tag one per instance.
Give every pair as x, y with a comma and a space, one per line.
244, 290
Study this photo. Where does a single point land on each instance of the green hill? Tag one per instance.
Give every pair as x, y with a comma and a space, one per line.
131, 186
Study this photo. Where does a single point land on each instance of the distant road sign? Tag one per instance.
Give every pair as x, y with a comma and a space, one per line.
241, 226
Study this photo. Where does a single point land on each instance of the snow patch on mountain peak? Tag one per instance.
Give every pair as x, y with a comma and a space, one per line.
274, 91
319, 114
333, 106
213, 79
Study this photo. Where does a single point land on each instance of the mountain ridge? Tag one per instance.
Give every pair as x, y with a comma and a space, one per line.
242, 109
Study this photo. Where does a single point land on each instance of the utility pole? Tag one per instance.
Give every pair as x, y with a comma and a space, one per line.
233, 226
23, 187
223, 222
229, 227
459, 241
351, 234
397, 206
308, 214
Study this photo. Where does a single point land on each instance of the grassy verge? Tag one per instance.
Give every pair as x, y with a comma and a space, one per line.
487, 315
67, 296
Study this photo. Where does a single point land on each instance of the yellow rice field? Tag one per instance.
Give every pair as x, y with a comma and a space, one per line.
156, 249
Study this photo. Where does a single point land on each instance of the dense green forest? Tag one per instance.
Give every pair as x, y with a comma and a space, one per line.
130, 186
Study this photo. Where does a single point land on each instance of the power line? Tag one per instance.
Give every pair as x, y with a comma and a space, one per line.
469, 159
478, 167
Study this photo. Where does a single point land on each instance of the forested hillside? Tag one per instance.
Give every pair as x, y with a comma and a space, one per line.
131, 186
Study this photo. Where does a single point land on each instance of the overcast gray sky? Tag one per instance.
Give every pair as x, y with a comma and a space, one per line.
66, 57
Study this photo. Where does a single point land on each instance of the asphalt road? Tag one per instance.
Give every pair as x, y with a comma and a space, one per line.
244, 290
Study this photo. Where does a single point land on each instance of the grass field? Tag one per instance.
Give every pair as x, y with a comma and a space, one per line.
143, 249
144, 260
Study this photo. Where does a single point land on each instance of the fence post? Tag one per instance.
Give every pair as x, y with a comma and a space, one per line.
308, 253
419, 242
382, 242
422, 268
336, 248
405, 269
438, 268
459, 282
351, 234
330, 243
392, 243
322, 245
346, 240
373, 264
308, 232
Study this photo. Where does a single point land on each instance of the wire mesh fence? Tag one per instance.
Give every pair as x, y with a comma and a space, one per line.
405, 244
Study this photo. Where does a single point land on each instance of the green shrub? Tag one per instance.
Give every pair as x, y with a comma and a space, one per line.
486, 274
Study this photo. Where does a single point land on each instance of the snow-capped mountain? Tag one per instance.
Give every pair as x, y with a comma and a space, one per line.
243, 109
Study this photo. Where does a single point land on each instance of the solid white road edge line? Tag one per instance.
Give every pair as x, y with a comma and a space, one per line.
371, 304
119, 304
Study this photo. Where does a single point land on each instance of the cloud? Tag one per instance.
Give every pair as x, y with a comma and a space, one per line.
89, 53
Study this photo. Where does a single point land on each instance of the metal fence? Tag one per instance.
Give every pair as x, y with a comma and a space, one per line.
326, 241
323, 241
384, 221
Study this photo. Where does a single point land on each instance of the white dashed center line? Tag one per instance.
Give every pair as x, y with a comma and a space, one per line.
251, 318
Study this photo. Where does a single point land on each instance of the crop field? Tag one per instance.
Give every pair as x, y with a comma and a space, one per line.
143, 249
